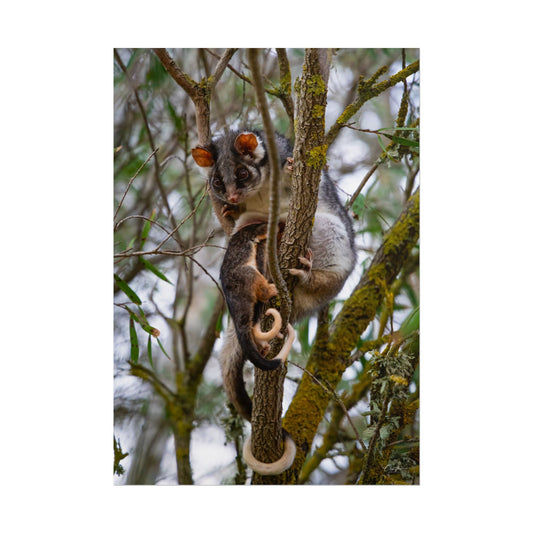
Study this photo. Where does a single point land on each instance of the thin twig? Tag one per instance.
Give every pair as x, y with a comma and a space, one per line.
149, 376
330, 391
174, 253
182, 79
370, 91
373, 441
142, 217
274, 205
285, 84
232, 69
373, 168
368, 175
410, 183
199, 92
192, 213
151, 141
130, 182
221, 66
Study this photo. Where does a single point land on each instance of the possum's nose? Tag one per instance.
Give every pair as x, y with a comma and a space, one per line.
233, 195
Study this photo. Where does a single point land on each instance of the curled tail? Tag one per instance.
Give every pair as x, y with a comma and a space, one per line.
251, 352
232, 361
249, 339
277, 467
260, 335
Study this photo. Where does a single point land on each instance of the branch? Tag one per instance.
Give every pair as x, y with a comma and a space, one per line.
235, 71
274, 201
220, 67
284, 93
268, 386
199, 92
147, 375
331, 436
309, 157
182, 79
151, 141
197, 363
363, 182
331, 391
129, 185
367, 91
304, 194
330, 361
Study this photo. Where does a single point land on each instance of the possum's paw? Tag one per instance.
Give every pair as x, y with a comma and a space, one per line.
304, 273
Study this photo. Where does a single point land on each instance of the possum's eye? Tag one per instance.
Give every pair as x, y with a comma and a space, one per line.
217, 183
242, 174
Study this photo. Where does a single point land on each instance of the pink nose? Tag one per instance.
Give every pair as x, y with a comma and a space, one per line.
233, 196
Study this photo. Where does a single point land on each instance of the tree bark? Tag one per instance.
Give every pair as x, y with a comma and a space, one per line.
331, 352
267, 441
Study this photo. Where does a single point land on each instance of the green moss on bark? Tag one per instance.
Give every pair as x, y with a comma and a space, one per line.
328, 360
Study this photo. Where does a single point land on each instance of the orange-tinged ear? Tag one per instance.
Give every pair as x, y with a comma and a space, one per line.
203, 157
246, 143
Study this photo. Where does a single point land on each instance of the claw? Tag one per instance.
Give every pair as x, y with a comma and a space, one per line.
306, 262
263, 347
304, 273
229, 211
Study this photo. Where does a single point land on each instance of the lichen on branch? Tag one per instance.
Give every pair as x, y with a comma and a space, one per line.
329, 360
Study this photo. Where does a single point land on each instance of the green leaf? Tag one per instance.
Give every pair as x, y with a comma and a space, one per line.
177, 120
161, 346
384, 432
152, 268
143, 321
368, 433
402, 128
411, 323
403, 140
127, 290
219, 323
149, 349
303, 336
372, 412
132, 314
134, 341
146, 229
358, 206
381, 144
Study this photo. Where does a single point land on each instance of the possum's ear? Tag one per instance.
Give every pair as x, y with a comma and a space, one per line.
203, 157
247, 144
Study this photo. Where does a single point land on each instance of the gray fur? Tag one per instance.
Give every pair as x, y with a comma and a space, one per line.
332, 246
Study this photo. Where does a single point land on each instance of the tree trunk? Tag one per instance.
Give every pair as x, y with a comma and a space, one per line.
309, 158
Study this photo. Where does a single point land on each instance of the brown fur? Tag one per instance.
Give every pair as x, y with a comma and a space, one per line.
246, 288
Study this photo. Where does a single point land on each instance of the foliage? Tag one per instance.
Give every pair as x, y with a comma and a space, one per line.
170, 410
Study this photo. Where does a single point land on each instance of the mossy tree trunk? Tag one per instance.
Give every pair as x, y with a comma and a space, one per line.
309, 158
334, 344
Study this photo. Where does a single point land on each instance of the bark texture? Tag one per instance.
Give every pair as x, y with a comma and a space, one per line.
331, 353
309, 158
